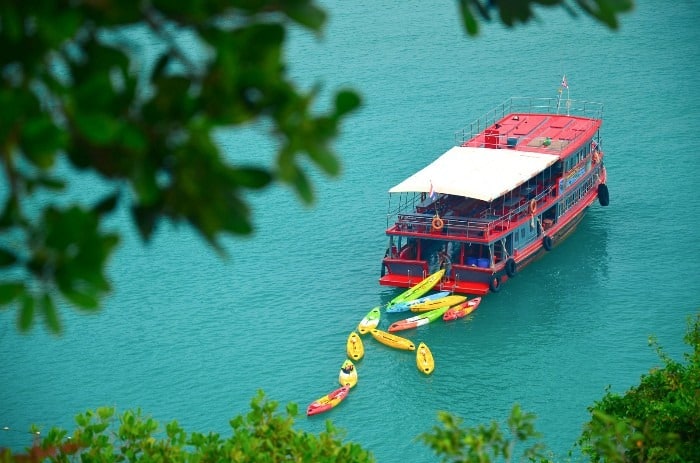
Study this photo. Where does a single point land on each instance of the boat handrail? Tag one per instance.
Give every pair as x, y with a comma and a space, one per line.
520, 105
469, 227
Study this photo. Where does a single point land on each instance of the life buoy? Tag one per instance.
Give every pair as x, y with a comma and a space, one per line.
438, 223
533, 206
547, 243
511, 268
495, 284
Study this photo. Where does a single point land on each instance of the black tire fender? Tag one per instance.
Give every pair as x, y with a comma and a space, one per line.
547, 243
603, 195
511, 267
495, 284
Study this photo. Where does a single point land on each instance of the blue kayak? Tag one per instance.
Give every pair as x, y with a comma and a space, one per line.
406, 306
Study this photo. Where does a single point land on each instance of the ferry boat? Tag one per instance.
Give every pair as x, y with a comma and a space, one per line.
517, 182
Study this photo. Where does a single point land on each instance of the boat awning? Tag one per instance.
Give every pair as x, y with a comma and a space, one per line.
480, 173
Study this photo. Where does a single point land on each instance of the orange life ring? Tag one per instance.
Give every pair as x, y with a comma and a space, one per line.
533, 206
438, 223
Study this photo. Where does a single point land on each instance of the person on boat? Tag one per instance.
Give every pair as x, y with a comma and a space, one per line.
347, 369
444, 260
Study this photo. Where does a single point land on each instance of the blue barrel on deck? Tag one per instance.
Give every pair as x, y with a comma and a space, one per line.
512, 141
471, 261
482, 262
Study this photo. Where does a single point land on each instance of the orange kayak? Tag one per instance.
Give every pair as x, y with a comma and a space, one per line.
461, 310
328, 401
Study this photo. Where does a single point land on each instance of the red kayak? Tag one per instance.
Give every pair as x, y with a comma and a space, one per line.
462, 310
328, 401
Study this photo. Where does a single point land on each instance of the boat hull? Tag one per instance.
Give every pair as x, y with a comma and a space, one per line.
391, 340
328, 401
354, 347
347, 376
425, 362
418, 320
419, 289
406, 306
447, 301
528, 173
462, 310
370, 321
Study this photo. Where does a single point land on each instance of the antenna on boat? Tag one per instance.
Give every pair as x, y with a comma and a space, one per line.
564, 85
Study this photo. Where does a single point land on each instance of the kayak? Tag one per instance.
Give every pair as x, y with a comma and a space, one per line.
328, 401
348, 374
418, 320
448, 301
418, 290
461, 310
354, 346
370, 321
392, 340
405, 306
424, 359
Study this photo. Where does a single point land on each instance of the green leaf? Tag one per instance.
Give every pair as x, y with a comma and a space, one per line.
7, 258
251, 177
84, 300
107, 204
50, 316
468, 18
9, 292
98, 128
306, 14
145, 218
325, 159
50, 183
303, 186
26, 314
41, 140
345, 102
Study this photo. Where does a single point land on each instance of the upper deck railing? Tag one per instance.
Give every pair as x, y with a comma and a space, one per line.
524, 105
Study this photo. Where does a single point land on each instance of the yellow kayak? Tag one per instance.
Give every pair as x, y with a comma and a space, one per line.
392, 340
348, 374
418, 290
424, 359
447, 301
354, 347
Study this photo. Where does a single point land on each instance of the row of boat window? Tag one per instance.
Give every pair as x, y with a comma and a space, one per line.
577, 157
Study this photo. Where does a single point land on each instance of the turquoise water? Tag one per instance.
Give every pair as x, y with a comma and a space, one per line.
188, 336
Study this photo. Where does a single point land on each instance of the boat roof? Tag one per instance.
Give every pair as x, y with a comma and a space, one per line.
475, 172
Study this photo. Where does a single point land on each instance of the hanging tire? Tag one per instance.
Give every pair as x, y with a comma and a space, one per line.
511, 268
495, 284
547, 243
603, 195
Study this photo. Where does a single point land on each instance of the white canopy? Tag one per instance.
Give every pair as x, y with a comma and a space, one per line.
480, 173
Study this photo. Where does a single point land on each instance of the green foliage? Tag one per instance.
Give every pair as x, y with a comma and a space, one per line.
263, 436
484, 444
70, 90
510, 12
656, 421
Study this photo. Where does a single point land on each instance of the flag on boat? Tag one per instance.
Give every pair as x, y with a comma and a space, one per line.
563, 82
432, 191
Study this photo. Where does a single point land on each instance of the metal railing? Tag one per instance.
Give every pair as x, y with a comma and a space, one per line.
524, 105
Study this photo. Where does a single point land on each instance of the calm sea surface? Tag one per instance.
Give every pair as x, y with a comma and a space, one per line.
186, 335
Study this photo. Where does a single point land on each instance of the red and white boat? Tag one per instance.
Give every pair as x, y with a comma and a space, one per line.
517, 183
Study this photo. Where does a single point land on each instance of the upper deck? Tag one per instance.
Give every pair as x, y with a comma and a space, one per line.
541, 125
